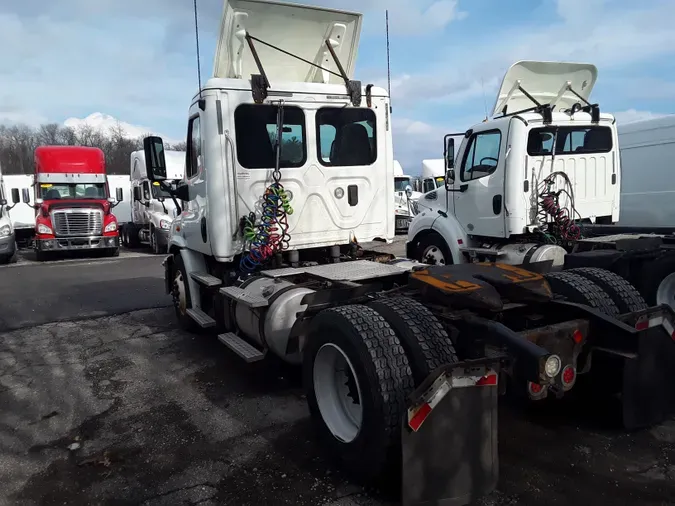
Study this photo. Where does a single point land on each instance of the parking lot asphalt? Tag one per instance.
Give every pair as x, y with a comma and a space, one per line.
121, 407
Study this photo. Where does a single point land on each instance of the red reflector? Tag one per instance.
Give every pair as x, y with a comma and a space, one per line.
487, 380
460, 241
419, 417
535, 388
577, 336
568, 374
644, 324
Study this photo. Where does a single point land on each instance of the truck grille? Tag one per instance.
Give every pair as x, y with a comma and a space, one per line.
77, 222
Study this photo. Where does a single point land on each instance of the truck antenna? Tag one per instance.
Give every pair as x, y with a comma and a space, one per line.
199, 68
386, 19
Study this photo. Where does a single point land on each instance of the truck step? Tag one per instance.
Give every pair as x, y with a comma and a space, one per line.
202, 319
242, 348
239, 295
483, 251
205, 279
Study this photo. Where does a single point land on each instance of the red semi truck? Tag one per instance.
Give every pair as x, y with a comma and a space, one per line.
72, 202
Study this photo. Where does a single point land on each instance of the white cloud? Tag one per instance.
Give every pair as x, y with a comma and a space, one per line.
595, 31
631, 115
106, 123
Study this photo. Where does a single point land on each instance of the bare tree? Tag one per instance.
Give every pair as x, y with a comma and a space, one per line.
18, 143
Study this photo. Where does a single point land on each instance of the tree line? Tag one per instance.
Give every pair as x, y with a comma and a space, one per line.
18, 143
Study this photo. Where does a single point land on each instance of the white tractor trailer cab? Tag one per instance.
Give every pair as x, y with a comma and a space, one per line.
7, 235
152, 209
521, 182
289, 164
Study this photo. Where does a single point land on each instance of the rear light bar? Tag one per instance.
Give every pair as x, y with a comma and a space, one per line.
440, 388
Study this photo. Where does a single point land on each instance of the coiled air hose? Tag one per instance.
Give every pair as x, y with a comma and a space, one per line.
270, 235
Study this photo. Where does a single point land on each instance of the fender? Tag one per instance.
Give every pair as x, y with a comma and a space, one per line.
193, 261
448, 227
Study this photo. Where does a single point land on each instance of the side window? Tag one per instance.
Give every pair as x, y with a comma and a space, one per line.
194, 148
346, 137
429, 185
482, 155
256, 131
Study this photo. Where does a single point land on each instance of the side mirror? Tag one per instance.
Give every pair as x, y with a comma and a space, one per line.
119, 194
16, 198
25, 195
3, 202
450, 176
155, 164
408, 191
449, 152
137, 193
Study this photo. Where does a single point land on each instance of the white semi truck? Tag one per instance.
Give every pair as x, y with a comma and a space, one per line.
540, 181
289, 162
7, 236
151, 209
405, 198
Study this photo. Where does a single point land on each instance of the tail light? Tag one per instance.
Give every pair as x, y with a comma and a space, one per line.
536, 392
568, 376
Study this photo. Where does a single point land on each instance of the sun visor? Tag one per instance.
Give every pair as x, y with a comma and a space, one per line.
299, 30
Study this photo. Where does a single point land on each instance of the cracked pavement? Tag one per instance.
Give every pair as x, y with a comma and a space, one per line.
127, 409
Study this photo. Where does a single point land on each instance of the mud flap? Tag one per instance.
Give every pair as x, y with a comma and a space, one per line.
648, 391
449, 436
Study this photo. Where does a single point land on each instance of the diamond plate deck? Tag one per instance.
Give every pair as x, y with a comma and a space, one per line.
358, 270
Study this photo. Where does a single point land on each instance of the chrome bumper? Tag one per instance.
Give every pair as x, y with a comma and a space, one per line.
77, 243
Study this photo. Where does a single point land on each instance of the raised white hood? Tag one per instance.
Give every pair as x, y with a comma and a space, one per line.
545, 81
297, 29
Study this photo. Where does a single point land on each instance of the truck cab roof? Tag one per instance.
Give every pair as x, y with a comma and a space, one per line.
69, 159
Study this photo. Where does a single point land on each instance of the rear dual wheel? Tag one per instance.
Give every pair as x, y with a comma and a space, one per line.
360, 363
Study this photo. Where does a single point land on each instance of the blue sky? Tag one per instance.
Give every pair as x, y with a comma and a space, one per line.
135, 60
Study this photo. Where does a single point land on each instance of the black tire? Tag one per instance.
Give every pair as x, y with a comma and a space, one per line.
384, 376
578, 289
425, 341
124, 236
184, 320
154, 244
432, 240
625, 296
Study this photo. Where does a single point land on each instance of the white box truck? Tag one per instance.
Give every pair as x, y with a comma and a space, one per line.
7, 235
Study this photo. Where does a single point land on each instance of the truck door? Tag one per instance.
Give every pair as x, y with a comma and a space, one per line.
193, 222
480, 208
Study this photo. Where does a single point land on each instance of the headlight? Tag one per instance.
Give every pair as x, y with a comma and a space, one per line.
552, 366
5, 230
164, 224
44, 229
110, 227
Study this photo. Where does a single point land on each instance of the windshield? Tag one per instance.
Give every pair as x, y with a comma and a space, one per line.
400, 183
570, 140
72, 191
160, 193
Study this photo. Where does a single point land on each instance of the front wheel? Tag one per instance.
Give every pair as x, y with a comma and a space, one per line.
357, 378
180, 293
433, 250
154, 242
